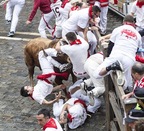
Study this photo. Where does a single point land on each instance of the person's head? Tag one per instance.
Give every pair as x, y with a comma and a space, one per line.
43, 116
26, 91
71, 36
95, 11
74, 2
82, 5
128, 19
137, 71
139, 126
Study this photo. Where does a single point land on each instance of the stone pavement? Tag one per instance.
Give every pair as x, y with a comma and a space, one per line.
16, 112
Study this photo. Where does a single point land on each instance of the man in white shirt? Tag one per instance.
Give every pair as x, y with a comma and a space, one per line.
44, 86
126, 40
77, 50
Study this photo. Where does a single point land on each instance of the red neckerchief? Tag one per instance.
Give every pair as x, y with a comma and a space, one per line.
81, 102
50, 124
70, 118
128, 23
44, 77
64, 3
90, 11
74, 8
31, 96
76, 42
140, 4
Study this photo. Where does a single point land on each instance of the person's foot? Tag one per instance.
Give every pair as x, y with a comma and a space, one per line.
91, 98
116, 66
11, 34
65, 67
83, 87
8, 22
120, 77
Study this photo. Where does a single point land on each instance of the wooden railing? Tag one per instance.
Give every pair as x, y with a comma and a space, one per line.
116, 108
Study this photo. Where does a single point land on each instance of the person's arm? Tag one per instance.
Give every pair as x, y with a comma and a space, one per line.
46, 102
104, 37
65, 108
33, 12
127, 95
58, 47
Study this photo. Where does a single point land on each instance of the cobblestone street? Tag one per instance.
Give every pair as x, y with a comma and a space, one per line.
18, 113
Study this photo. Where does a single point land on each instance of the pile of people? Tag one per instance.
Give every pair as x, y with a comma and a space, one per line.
75, 24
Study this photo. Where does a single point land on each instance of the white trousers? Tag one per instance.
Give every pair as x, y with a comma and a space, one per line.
127, 64
85, 98
13, 9
90, 66
47, 63
91, 40
44, 24
103, 18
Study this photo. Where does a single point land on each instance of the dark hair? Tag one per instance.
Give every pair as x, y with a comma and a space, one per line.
24, 92
71, 36
79, 4
138, 68
128, 18
96, 9
45, 112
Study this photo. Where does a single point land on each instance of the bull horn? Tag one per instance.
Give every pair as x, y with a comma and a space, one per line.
45, 54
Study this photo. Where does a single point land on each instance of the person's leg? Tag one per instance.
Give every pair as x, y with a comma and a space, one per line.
16, 12
95, 107
8, 15
92, 41
103, 19
90, 66
127, 65
44, 24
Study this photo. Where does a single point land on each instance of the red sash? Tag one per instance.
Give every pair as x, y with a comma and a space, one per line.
50, 124
45, 76
139, 4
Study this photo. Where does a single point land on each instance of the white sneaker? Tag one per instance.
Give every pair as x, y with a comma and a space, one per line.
65, 67
120, 76
91, 98
10, 34
83, 87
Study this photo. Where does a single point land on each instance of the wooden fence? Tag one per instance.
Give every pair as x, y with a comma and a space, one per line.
116, 108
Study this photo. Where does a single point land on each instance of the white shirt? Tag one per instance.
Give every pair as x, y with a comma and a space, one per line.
58, 16
41, 90
79, 18
139, 12
126, 40
78, 113
77, 54
65, 11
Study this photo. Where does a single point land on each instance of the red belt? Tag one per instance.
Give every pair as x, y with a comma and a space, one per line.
79, 73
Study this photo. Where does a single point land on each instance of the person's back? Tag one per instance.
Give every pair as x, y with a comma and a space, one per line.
72, 23
126, 40
78, 54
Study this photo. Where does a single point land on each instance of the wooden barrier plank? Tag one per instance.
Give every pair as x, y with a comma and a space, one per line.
117, 110
113, 126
